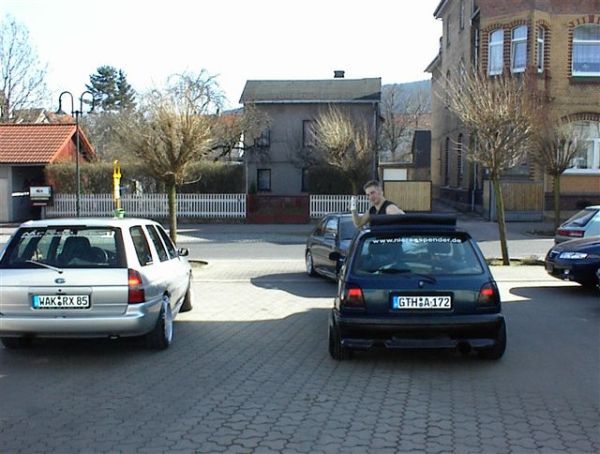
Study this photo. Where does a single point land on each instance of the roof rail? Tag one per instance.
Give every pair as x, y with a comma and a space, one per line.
413, 219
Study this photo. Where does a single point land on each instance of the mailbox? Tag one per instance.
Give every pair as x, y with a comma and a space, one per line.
40, 196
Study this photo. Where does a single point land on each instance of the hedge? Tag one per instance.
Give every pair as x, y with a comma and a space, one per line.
96, 178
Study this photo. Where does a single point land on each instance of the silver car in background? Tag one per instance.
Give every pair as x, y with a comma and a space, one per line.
584, 224
92, 277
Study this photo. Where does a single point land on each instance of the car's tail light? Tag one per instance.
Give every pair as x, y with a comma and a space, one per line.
570, 233
488, 295
136, 293
353, 297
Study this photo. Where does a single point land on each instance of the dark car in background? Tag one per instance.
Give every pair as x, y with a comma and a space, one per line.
333, 233
575, 260
416, 281
584, 224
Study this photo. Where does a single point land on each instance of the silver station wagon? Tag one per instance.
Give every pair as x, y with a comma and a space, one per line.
92, 277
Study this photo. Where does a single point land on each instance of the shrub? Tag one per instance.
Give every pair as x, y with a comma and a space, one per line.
97, 178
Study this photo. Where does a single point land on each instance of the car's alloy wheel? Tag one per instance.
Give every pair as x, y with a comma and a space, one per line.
310, 269
161, 335
187, 300
336, 350
498, 349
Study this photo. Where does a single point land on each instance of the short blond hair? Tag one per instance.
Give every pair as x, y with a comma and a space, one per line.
370, 183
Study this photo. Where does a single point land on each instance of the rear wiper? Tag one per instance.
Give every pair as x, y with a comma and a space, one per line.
407, 271
45, 265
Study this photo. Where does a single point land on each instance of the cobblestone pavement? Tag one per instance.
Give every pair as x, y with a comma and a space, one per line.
249, 372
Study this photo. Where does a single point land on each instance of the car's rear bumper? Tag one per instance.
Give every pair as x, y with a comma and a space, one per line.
479, 331
138, 319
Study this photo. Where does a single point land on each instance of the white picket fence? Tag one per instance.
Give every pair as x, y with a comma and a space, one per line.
207, 206
219, 206
321, 204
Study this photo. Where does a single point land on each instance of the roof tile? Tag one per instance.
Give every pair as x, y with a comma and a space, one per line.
35, 143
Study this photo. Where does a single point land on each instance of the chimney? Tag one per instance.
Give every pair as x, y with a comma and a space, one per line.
338, 74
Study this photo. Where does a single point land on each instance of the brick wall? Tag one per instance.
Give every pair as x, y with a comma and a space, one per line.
571, 96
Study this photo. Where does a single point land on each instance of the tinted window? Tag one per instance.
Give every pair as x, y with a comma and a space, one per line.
581, 218
65, 247
167, 241
406, 253
332, 226
320, 229
160, 247
142, 248
347, 229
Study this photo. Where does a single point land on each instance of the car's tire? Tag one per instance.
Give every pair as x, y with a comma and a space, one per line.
16, 342
495, 352
310, 268
336, 350
161, 335
187, 305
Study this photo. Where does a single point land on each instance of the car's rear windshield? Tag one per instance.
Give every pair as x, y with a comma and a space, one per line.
581, 219
432, 254
65, 247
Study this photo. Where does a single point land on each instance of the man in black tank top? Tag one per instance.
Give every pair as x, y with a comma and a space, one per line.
379, 205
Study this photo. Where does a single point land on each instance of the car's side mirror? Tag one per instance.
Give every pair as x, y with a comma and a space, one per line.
183, 251
335, 256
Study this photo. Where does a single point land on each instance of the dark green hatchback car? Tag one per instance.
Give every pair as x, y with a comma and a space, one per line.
416, 281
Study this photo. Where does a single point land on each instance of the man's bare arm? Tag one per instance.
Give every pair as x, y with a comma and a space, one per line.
359, 220
393, 209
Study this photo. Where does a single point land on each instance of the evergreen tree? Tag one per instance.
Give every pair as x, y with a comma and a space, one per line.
125, 93
111, 90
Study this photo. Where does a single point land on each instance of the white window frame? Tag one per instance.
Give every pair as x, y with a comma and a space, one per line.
493, 48
514, 44
584, 42
541, 37
593, 151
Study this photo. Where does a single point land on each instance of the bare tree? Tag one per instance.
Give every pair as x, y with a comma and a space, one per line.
345, 144
555, 142
495, 110
401, 112
240, 131
22, 77
172, 129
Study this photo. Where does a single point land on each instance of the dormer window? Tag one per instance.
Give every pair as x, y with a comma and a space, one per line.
518, 49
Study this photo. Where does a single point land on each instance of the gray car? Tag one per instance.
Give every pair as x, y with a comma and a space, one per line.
92, 277
584, 224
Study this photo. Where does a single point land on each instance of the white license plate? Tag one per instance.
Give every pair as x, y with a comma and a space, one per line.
421, 302
61, 301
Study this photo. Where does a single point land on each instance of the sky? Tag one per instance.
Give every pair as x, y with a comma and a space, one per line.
235, 40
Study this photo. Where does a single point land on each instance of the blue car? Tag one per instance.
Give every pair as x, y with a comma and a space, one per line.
416, 281
575, 260
333, 233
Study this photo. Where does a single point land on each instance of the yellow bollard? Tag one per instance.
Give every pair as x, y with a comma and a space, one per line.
117, 188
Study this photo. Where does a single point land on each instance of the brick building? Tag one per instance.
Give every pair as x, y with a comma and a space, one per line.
554, 42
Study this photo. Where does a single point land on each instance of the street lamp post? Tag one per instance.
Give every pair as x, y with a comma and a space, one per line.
77, 113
